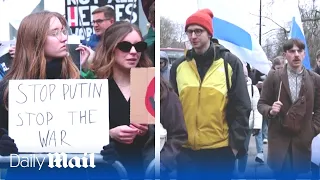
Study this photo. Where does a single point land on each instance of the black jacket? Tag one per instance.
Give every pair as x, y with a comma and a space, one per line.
317, 69
131, 155
171, 118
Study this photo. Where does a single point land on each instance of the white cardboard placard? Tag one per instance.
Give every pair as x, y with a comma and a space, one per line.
70, 116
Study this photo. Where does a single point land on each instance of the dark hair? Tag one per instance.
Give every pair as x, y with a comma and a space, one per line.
278, 61
107, 11
151, 15
318, 54
215, 40
291, 42
165, 88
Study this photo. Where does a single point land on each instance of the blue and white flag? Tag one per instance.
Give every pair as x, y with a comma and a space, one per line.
315, 156
230, 27
297, 32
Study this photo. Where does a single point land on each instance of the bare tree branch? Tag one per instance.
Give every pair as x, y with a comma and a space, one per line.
171, 33
310, 19
269, 31
272, 21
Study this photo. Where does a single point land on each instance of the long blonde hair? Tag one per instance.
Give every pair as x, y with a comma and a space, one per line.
104, 59
29, 61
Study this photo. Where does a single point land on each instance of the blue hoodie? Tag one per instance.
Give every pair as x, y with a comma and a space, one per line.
93, 41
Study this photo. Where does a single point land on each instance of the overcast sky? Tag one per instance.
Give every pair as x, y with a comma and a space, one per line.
10, 10
180, 10
177, 10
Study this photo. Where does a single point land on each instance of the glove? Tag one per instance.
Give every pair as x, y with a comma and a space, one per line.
109, 153
7, 145
255, 132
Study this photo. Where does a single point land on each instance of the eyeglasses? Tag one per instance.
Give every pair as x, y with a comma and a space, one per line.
126, 46
57, 33
198, 32
99, 21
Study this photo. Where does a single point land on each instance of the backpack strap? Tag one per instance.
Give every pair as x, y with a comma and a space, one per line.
226, 71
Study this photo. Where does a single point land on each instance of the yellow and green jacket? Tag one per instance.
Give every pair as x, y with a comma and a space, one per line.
214, 116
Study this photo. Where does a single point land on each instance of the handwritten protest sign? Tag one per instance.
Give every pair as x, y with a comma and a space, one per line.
142, 95
70, 116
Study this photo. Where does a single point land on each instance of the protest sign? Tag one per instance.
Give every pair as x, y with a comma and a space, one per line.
70, 116
73, 43
5, 58
4, 47
79, 16
5, 63
142, 106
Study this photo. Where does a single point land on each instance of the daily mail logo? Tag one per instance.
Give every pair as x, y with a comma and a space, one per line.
56, 160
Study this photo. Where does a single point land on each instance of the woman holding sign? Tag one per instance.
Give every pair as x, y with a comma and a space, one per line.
41, 53
122, 48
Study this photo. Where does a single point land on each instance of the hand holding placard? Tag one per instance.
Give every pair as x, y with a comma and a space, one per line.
7, 145
142, 128
123, 134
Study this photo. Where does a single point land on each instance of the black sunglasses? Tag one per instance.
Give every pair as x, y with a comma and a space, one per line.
126, 46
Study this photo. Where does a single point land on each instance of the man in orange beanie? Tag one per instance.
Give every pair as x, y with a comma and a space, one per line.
212, 89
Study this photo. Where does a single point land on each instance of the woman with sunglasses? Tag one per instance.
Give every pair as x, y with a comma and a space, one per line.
120, 49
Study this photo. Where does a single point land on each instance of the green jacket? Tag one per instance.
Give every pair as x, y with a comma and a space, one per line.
88, 74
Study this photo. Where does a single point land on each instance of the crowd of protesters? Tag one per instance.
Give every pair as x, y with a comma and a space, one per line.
211, 102
225, 102
41, 52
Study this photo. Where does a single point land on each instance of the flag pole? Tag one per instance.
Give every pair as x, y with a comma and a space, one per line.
260, 23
